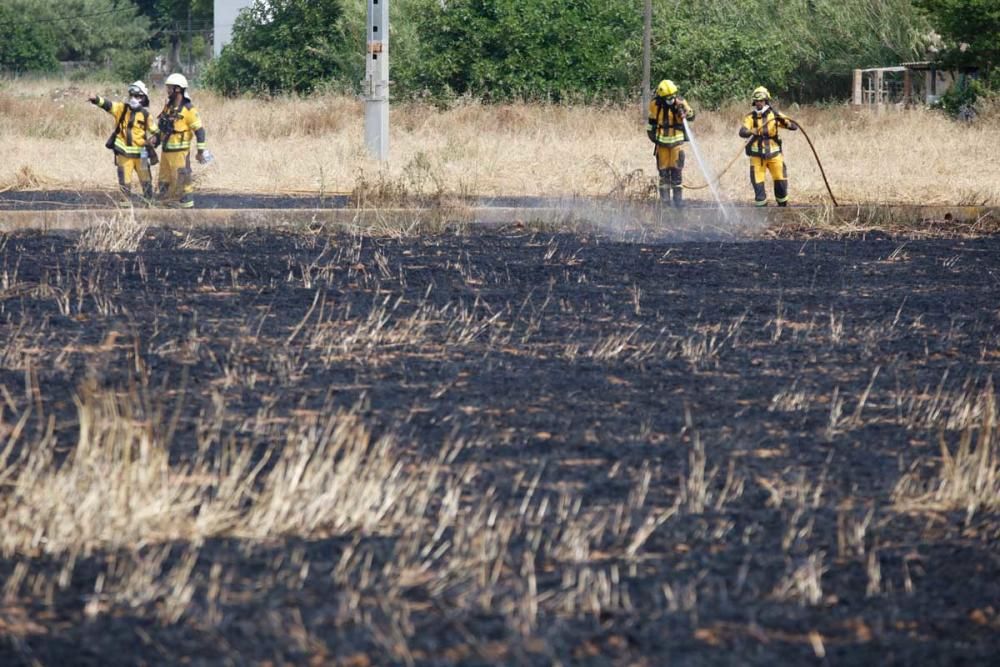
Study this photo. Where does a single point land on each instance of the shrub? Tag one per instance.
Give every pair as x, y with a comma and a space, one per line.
25, 46
504, 49
283, 46
959, 101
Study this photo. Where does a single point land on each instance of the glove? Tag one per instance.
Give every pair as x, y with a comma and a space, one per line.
92, 99
652, 135
200, 156
153, 141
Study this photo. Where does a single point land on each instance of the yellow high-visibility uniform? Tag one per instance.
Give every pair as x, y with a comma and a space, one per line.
765, 155
665, 128
176, 128
130, 143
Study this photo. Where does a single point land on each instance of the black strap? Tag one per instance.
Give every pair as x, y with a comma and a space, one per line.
131, 124
121, 119
110, 143
662, 108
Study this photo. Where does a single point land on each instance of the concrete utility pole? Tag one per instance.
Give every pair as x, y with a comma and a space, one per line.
376, 83
647, 47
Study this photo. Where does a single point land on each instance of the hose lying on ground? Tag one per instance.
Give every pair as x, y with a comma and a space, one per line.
819, 163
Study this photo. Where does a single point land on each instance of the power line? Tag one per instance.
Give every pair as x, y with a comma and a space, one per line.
116, 10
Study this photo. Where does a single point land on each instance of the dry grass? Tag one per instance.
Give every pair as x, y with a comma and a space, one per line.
967, 476
118, 489
117, 232
316, 145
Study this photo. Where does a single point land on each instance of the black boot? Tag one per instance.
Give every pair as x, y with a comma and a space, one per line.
781, 191
664, 187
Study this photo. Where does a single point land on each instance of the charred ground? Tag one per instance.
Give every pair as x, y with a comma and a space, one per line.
631, 450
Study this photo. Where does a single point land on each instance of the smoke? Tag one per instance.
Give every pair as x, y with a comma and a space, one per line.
650, 222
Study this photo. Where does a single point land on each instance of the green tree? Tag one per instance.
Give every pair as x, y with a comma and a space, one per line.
717, 50
283, 46
170, 20
98, 31
25, 44
803, 50
502, 49
971, 31
104, 32
834, 37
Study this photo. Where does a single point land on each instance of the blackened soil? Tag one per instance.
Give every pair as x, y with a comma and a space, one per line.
586, 362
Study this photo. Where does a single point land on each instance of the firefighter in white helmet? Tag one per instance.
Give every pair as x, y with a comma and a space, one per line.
129, 139
177, 127
764, 148
665, 128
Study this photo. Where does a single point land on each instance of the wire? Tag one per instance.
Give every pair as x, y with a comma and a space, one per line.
116, 10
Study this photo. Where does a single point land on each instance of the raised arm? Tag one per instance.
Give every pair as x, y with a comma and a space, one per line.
105, 104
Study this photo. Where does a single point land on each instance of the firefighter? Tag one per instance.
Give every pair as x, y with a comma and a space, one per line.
764, 148
177, 126
132, 130
667, 112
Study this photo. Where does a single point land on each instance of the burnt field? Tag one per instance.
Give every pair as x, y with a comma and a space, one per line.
498, 446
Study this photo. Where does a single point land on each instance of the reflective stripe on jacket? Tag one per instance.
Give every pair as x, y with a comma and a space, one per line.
133, 127
666, 122
183, 124
768, 143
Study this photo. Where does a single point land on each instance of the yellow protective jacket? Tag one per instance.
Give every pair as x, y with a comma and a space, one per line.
132, 126
177, 126
764, 126
665, 126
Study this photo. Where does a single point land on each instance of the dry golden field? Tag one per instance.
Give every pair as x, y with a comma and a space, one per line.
55, 138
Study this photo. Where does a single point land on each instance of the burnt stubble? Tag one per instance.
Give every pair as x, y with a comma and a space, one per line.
498, 446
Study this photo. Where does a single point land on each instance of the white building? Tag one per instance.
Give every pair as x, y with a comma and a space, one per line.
225, 15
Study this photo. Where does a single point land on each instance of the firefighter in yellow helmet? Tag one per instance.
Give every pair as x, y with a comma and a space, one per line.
178, 126
667, 112
128, 141
764, 148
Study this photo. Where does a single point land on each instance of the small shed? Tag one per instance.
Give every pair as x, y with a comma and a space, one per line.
907, 84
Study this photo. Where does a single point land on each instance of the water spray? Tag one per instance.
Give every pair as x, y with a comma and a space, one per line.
710, 181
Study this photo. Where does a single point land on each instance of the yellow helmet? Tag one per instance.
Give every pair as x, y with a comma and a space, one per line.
760, 93
666, 88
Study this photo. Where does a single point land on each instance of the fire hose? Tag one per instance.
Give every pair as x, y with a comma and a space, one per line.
819, 162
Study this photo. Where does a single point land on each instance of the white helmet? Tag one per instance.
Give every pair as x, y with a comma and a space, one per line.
178, 80
138, 87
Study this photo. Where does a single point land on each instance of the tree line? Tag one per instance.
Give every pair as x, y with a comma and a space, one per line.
119, 37
587, 50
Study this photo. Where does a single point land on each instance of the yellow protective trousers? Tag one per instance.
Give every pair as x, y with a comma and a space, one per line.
126, 166
670, 165
176, 185
759, 168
